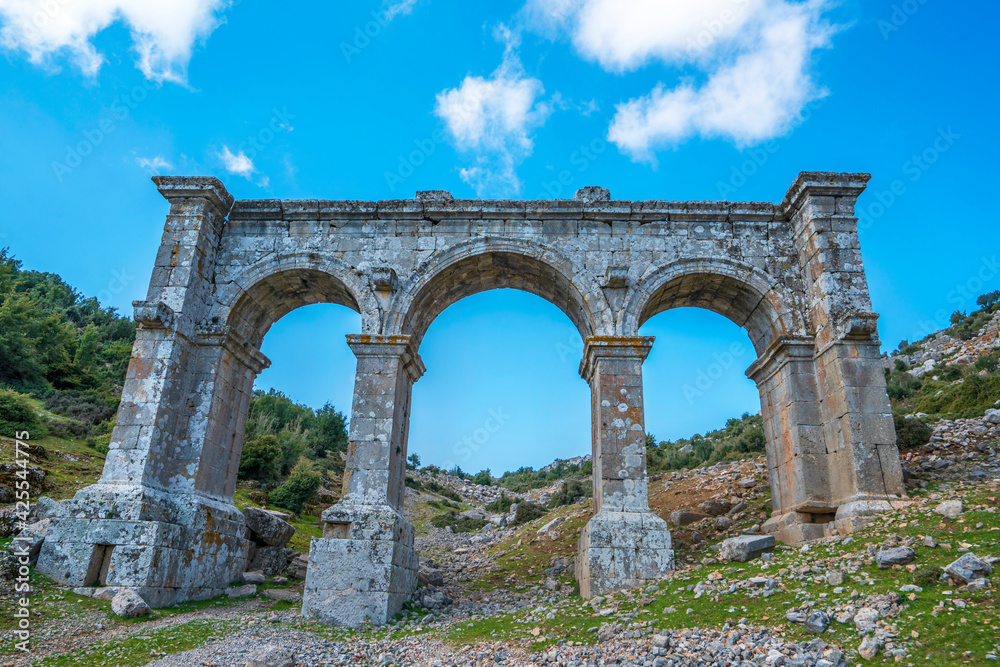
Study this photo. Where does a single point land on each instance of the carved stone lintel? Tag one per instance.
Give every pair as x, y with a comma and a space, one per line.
859, 326
616, 277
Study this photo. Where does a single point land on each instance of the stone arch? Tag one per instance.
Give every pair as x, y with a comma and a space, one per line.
745, 295
265, 292
484, 264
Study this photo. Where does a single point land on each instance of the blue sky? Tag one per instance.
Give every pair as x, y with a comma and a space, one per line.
666, 100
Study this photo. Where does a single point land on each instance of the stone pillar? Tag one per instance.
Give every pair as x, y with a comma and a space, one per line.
364, 567
146, 524
797, 460
624, 545
865, 473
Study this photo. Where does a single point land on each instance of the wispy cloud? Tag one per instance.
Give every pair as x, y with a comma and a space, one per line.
492, 120
163, 33
237, 163
753, 57
153, 164
394, 9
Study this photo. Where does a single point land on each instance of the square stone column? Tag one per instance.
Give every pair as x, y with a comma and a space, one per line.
624, 545
364, 567
155, 521
858, 431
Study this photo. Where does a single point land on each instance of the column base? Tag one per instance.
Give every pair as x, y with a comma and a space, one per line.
168, 549
363, 568
619, 550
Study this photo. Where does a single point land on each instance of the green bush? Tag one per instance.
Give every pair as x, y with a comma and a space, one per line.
502, 504
911, 432
441, 490
483, 478
300, 487
459, 524
261, 459
570, 491
17, 415
927, 576
528, 511
413, 483
968, 399
988, 362
87, 407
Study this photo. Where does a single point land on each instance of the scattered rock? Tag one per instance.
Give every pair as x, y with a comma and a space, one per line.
683, 518
818, 622
886, 558
29, 541
745, 547
129, 604
271, 656
268, 528
950, 508
245, 591
968, 568
254, 578
868, 648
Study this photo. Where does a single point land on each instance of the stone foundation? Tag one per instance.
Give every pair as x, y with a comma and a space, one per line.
167, 550
620, 550
363, 568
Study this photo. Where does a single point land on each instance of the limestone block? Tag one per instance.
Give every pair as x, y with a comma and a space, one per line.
268, 528
745, 547
129, 604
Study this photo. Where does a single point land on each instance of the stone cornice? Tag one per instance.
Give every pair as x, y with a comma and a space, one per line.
207, 188
598, 347
234, 343
375, 345
783, 350
821, 184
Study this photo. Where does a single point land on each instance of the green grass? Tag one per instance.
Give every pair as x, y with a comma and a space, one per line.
142, 648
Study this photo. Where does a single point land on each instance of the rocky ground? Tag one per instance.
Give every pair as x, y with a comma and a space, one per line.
505, 595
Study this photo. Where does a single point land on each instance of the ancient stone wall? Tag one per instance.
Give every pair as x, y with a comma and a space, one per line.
790, 274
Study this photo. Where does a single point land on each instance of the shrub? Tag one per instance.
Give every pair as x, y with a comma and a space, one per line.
83, 406
459, 524
528, 511
434, 487
413, 483
502, 504
927, 576
68, 428
17, 414
99, 443
483, 478
911, 432
570, 491
300, 487
988, 363
261, 459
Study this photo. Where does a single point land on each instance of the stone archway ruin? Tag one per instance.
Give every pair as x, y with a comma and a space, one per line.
162, 520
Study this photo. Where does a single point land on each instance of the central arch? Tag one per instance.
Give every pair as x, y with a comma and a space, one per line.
486, 264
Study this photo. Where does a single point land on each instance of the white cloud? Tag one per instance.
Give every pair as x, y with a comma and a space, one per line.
395, 9
751, 57
154, 164
492, 118
237, 163
163, 33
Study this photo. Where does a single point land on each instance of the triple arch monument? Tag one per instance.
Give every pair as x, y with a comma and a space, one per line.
161, 520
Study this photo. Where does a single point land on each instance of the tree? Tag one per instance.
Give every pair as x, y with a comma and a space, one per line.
330, 431
261, 459
957, 317
989, 299
17, 415
413, 461
483, 478
300, 487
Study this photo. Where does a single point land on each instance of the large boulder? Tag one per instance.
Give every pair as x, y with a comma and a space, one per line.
715, 506
745, 547
46, 508
268, 528
129, 604
992, 416
12, 472
29, 541
950, 508
886, 558
683, 518
429, 576
271, 561
968, 568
